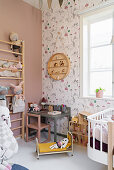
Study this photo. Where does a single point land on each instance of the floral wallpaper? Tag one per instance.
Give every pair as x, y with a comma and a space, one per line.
66, 21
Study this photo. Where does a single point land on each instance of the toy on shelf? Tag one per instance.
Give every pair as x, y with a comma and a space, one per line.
33, 107
43, 103
13, 68
61, 63
14, 38
19, 66
17, 89
78, 126
50, 108
3, 92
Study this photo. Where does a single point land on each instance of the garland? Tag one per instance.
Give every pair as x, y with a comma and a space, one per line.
49, 2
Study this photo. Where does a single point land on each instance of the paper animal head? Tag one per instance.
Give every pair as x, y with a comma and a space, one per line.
17, 89
13, 36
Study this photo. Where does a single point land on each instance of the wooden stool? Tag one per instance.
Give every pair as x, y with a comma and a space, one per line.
37, 126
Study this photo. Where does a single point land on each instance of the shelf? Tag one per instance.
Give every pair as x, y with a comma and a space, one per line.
18, 136
57, 74
13, 78
11, 112
10, 60
14, 60
20, 127
9, 51
8, 69
73, 122
58, 67
79, 134
58, 60
16, 120
10, 43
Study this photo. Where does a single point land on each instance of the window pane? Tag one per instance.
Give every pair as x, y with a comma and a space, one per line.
103, 80
101, 57
101, 32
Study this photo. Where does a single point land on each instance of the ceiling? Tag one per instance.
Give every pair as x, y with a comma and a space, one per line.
35, 3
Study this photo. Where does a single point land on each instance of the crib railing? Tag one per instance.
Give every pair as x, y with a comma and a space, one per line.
95, 120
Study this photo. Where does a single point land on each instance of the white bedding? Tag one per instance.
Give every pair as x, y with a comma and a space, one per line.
104, 130
8, 144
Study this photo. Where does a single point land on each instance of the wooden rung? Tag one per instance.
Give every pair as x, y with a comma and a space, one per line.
11, 112
8, 69
20, 127
9, 51
11, 43
59, 59
3, 59
12, 78
16, 120
18, 136
9, 95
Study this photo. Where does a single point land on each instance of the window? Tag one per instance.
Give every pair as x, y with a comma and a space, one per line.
97, 53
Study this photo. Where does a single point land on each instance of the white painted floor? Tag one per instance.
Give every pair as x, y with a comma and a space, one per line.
27, 157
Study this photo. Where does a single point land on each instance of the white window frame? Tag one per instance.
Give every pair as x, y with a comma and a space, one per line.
85, 92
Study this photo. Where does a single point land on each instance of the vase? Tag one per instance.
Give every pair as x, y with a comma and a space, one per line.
99, 94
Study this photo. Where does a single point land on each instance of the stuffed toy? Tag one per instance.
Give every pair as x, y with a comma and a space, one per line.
19, 66
34, 107
61, 144
17, 89
3, 92
13, 68
5, 65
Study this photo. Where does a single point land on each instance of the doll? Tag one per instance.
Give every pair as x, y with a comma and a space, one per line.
61, 144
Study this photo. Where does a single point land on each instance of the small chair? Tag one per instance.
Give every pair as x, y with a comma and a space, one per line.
37, 126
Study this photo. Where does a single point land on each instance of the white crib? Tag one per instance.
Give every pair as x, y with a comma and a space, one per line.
101, 119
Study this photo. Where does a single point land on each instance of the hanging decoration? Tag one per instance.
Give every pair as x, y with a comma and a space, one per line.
60, 2
58, 66
49, 3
